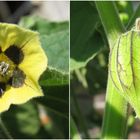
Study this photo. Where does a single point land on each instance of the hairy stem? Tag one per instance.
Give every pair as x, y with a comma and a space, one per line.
115, 116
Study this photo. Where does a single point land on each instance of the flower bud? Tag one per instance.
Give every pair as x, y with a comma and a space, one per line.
124, 66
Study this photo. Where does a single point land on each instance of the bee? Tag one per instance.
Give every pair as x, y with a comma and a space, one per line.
17, 79
14, 76
17, 76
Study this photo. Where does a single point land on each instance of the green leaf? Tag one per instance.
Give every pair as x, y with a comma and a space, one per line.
56, 47
56, 104
22, 121
41, 25
85, 43
94, 44
53, 77
56, 99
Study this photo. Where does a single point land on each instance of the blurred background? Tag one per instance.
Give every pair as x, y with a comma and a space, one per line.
12, 11
46, 117
89, 68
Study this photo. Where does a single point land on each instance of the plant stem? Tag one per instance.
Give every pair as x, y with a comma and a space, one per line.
115, 116
81, 78
110, 20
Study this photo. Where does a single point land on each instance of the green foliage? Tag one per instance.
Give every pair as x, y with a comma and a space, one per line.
89, 66
56, 102
53, 77
42, 25
85, 40
56, 47
22, 121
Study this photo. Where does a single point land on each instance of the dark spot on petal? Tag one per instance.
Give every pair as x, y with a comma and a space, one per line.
2, 88
15, 54
18, 78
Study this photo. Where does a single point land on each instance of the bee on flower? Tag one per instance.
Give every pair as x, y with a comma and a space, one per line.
22, 61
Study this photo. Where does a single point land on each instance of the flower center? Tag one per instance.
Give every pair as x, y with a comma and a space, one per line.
6, 68
10, 73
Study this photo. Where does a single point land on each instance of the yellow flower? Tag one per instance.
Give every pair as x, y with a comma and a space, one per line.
22, 61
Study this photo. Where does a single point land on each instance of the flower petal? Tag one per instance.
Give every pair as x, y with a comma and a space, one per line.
35, 60
33, 64
12, 34
19, 95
